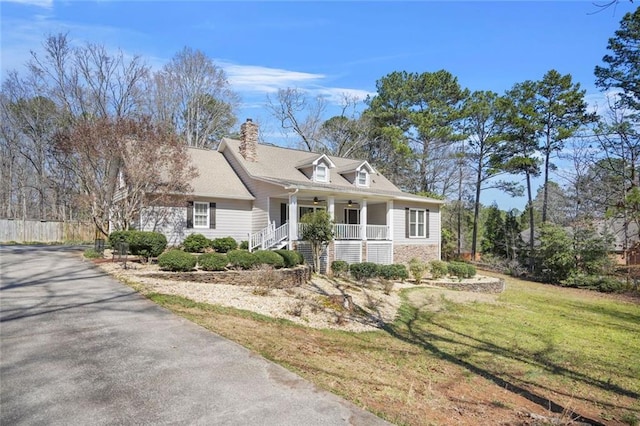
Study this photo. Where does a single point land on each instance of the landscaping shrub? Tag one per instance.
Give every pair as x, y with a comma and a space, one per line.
118, 236
147, 244
393, 272
244, 245
461, 269
268, 257
242, 259
213, 262
363, 271
339, 267
177, 261
417, 269
196, 243
92, 253
225, 244
438, 269
291, 258
595, 282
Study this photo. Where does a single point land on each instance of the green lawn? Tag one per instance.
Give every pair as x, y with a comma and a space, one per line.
564, 353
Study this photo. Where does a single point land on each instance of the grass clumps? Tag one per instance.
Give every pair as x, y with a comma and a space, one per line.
92, 253
177, 261
213, 262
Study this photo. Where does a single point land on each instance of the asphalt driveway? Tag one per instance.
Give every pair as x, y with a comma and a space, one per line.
78, 348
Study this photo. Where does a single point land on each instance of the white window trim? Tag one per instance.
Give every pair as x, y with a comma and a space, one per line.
424, 217
195, 209
366, 178
317, 178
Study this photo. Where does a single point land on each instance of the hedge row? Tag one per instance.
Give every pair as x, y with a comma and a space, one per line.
180, 261
197, 243
366, 270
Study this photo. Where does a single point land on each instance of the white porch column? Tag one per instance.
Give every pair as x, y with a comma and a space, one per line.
390, 220
363, 219
331, 207
293, 219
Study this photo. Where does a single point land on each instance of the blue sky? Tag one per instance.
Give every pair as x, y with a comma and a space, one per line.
331, 47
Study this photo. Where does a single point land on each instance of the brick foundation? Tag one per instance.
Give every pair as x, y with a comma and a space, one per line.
403, 253
276, 278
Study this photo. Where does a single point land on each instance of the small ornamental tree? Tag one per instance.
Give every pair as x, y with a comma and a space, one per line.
318, 231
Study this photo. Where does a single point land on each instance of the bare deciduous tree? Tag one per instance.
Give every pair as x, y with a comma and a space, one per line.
193, 95
124, 164
300, 114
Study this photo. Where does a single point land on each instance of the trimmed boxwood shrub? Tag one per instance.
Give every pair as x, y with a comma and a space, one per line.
438, 269
118, 236
242, 259
244, 245
268, 257
225, 244
147, 244
196, 243
291, 258
395, 271
213, 262
339, 267
363, 271
177, 261
461, 269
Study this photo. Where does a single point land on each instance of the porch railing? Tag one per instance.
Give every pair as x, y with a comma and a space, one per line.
268, 237
343, 231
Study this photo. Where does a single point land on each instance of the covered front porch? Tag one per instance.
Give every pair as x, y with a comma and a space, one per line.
355, 218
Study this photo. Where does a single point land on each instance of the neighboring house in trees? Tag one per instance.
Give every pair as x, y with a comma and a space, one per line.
259, 192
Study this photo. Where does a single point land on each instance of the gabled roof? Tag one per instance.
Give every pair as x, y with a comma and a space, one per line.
217, 179
314, 160
281, 166
351, 169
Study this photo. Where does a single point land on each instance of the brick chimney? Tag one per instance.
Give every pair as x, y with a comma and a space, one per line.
249, 140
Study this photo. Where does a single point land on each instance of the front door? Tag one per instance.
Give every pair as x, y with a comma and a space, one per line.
352, 216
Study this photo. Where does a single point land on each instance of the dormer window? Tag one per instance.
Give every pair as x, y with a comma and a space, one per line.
322, 173
362, 178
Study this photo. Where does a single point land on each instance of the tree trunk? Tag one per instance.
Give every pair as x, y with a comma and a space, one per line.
531, 230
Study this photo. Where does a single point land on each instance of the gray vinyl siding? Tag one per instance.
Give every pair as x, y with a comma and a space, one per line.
233, 219
399, 233
262, 191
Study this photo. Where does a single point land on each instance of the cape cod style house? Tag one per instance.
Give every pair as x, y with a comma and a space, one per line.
258, 193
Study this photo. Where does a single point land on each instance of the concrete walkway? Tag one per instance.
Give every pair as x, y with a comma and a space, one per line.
79, 348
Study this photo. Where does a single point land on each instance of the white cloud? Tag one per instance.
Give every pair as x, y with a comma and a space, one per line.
255, 78
47, 4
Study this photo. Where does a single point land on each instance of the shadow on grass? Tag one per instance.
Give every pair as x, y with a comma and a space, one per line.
415, 334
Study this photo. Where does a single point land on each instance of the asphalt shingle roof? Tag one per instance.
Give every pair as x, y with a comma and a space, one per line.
217, 179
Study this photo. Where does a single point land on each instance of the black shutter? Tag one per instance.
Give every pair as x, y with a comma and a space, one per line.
283, 213
212, 215
426, 222
189, 214
407, 233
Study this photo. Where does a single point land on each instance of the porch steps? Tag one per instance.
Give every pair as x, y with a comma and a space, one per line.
269, 238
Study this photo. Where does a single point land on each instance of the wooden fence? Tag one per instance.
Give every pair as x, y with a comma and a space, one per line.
48, 231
